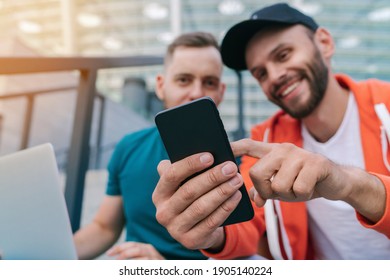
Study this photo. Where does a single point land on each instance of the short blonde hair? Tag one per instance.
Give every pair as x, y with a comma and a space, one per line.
191, 39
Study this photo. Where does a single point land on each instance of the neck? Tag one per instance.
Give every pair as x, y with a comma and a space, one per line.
325, 120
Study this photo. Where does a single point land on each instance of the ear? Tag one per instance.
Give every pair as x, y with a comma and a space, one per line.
219, 98
325, 43
160, 86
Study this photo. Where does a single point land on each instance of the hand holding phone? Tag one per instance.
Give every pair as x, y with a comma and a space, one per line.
197, 127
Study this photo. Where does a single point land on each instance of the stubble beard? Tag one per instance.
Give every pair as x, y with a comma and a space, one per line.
317, 77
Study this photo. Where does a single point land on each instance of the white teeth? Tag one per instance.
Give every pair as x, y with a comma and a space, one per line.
289, 89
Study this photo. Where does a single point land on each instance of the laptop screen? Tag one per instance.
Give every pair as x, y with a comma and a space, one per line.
33, 215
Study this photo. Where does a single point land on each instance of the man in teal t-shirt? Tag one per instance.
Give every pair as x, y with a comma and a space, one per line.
192, 69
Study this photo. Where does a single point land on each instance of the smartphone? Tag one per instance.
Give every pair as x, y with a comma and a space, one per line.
196, 127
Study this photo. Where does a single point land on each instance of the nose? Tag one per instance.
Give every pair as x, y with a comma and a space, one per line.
276, 73
196, 90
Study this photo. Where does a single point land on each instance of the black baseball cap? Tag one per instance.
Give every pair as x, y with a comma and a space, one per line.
236, 39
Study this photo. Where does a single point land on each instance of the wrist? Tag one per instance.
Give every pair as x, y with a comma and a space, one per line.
367, 195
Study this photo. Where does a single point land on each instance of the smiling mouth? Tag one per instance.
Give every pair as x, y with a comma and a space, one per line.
288, 90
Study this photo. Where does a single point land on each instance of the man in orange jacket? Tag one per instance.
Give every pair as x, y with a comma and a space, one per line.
322, 182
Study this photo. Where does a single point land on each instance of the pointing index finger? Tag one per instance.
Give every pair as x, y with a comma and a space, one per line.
251, 148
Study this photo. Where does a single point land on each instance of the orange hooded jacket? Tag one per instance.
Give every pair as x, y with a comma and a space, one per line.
243, 239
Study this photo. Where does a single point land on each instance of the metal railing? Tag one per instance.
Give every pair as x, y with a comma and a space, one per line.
31, 96
78, 158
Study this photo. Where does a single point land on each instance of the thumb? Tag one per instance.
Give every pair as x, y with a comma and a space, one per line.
256, 198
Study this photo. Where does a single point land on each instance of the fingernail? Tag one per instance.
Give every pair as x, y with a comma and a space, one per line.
236, 196
235, 181
205, 158
228, 169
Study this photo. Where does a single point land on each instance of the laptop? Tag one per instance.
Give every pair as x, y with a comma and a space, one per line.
34, 221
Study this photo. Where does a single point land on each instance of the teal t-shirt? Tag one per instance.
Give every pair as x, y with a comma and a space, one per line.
133, 175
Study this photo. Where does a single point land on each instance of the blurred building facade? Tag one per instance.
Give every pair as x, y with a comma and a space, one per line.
133, 27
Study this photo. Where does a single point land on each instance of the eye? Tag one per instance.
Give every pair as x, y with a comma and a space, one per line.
284, 55
183, 80
260, 75
211, 83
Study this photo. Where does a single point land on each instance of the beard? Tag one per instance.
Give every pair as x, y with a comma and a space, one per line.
317, 77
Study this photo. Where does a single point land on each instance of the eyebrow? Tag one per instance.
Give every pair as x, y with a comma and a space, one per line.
278, 47
272, 53
192, 75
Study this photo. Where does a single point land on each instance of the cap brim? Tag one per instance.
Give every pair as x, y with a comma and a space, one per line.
236, 40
